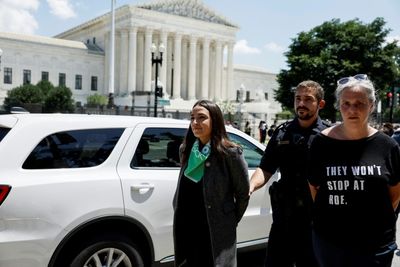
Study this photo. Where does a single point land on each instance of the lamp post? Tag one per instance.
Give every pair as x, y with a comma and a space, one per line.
157, 60
112, 58
241, 93
391, 99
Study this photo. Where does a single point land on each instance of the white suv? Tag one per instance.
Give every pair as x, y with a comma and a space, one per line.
89, 190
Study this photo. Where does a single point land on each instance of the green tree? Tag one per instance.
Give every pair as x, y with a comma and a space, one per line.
54, 99
45, 87
334, 50
285, 114
24, 94
97, 100
59, 99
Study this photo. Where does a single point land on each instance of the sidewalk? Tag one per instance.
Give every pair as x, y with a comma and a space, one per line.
396, 257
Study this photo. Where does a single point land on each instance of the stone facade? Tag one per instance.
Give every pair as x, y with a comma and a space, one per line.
37, 55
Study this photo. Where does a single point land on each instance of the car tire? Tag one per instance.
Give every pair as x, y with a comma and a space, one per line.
97, 253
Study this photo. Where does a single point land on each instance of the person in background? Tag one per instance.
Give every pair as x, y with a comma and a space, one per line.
354, 174
271, 130
289, 241
212, 192
387, 128
247, 128
396, 134
262, 127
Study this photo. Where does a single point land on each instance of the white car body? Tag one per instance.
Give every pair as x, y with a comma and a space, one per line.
50, 214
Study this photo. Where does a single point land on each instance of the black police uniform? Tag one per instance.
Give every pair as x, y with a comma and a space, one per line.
290, 237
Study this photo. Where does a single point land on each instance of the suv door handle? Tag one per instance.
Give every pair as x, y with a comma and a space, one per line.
142, 188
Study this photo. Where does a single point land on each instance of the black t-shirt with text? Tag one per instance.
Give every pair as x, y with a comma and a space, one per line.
353, 207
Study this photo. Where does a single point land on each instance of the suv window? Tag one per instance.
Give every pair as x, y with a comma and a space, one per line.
252, 153
73, 149
3, 132
159, 147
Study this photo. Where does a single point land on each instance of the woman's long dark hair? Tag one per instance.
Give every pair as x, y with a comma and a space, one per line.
219, 138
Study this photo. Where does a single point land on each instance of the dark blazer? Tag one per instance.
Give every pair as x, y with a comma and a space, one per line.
226, 196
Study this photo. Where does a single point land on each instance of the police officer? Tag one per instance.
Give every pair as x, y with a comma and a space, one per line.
289, 241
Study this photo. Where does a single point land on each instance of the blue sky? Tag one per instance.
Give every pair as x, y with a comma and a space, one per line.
266, 27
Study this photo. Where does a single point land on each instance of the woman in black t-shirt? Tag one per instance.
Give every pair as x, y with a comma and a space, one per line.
354, 174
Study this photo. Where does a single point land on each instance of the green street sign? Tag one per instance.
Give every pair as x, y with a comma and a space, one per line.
163, 102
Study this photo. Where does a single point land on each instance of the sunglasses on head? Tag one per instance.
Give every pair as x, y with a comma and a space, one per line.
358, 77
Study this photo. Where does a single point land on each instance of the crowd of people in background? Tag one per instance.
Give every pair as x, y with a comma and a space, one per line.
390, 129
265, 132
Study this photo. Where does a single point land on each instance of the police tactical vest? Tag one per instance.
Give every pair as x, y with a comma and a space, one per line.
292, 144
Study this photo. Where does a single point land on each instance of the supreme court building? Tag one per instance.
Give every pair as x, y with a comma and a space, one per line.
197, 61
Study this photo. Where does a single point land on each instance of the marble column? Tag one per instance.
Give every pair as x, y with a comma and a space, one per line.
205, 68
147, 59
140, 61
163, 70
132, 60
123, 67
229, 73
185, 69
192, 68
177, 65
211, 82
218, 71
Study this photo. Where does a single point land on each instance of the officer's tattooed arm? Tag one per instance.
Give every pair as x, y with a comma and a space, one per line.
258, 179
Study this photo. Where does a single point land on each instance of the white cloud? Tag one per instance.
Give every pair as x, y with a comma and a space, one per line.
20, 4
390, 39
241, 47
274, 47
16, 16
61, 8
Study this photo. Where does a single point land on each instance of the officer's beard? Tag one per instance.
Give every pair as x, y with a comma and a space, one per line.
304, 114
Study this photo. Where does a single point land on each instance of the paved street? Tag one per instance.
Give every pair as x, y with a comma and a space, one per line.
255, 258
396, 258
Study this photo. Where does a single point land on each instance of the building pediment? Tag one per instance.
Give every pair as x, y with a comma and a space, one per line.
187, 8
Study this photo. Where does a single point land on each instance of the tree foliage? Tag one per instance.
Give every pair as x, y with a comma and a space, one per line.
59, 99
96, 100
52, 99
45, 87
334, 50
20, 95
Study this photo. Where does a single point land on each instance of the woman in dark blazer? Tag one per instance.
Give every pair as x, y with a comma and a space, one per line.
212, 192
